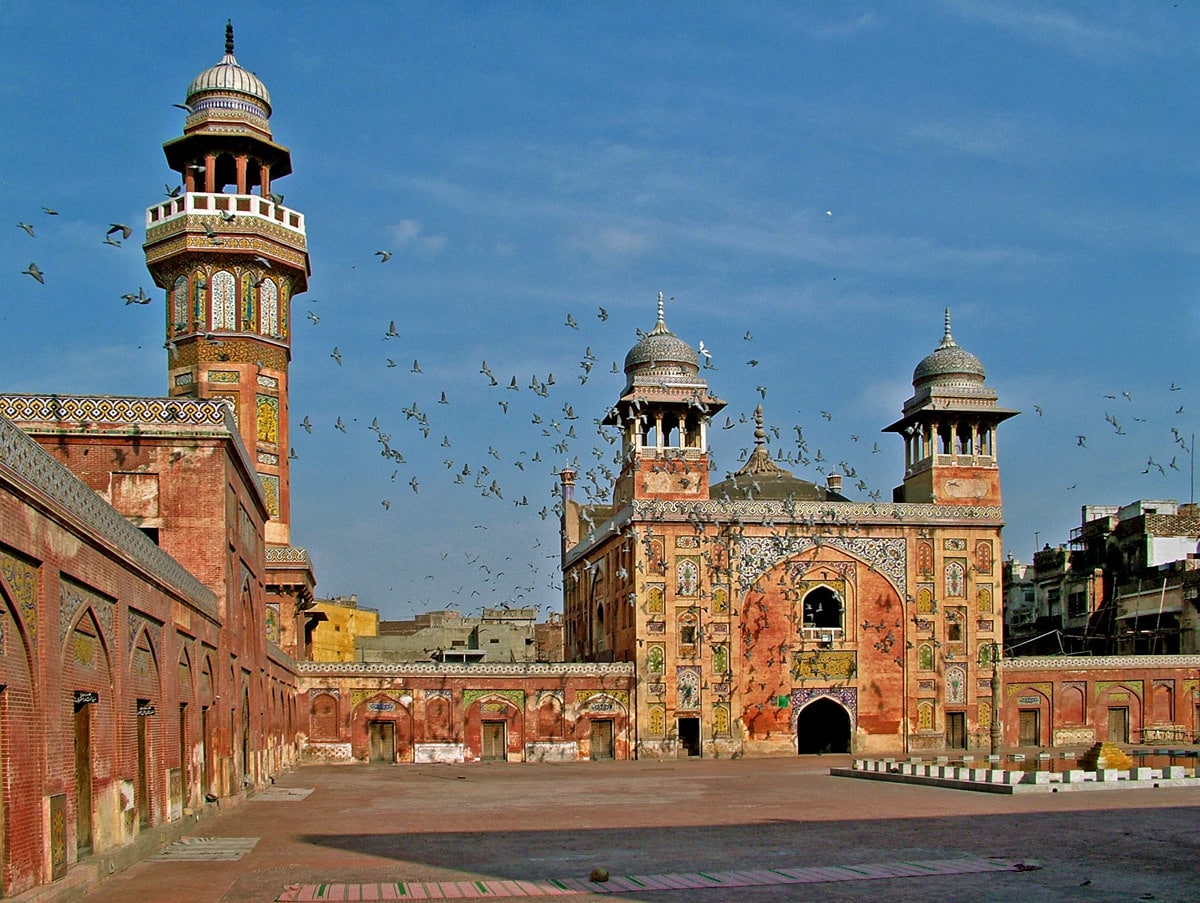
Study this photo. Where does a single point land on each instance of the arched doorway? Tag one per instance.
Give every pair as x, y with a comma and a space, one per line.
822, 726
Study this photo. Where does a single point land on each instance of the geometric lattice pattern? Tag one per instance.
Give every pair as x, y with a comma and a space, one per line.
640, 884
205, 849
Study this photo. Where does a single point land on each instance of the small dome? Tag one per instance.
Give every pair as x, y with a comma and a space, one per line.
761, 478
661, 346
225, 78
948, 361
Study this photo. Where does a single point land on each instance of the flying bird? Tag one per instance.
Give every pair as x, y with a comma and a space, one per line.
571, 322
340, 425
114, 228
603, 314
140, 298
307, 424
416, 367
336, 355
384, 256
172, 192
185, 107
314, 317
49, 211
28, 228
391, 333
32, 270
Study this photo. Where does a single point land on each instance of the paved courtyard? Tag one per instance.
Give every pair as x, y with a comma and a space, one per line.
670, 831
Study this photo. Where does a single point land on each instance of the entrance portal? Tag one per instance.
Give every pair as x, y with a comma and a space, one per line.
381, 738
822, 726
495, 741
689, 736
602, 739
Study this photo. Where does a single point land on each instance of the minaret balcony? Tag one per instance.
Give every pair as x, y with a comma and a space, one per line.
224, 214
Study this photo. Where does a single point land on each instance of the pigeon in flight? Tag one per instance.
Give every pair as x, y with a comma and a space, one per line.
32, 270
384, 256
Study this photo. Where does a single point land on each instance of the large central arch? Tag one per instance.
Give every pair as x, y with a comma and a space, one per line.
822, 726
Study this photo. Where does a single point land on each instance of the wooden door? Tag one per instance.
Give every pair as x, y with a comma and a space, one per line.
83, 778
382, 739
143, 769
1118, 724
956, 730
602, 739
495, 741
1029, 732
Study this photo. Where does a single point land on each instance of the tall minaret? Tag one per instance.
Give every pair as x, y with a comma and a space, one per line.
949, 430
231, 258
663, 414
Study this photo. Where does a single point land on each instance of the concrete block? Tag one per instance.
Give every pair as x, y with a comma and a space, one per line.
1014, 777
941, 760
1173, 773
1036, 777
997, 776
1108, 775
1142, 774
979, 774
860, 764
1073, 776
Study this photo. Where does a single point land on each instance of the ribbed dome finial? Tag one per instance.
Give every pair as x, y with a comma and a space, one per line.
760, 434
229, 37
947, 338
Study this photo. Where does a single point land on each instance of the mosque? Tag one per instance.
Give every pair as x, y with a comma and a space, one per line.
768, 614
155, 613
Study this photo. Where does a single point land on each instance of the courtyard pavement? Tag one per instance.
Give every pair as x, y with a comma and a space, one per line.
667, 832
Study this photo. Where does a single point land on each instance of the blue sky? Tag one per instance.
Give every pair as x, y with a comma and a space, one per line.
824, 177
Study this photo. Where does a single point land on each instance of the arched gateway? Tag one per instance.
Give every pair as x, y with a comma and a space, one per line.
822, 726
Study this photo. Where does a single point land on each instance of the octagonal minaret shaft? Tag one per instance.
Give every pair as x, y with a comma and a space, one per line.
231, 258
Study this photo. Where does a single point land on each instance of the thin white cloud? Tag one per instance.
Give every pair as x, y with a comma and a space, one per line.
605, 242
409, 233
1042, 24
847, 28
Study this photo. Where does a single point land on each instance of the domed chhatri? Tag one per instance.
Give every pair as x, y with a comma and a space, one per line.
211, 89
948, 361
661, 347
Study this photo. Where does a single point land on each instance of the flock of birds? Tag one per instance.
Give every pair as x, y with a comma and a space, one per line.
520, 428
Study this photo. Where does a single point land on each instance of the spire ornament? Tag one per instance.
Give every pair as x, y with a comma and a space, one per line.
229, 37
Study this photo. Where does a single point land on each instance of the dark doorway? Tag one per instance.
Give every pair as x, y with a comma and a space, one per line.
689, 736
822, 726
143, 764
956, 730
602, 739
207, 788
83, 778
495, 741
381, 736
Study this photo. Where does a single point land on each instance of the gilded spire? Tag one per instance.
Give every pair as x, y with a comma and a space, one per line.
229, 37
